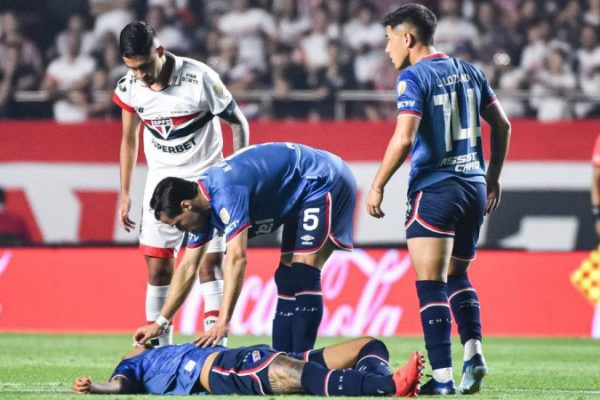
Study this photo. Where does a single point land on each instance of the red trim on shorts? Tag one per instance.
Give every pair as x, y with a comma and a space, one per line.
158, 252
244, 372
415, 217
121, 104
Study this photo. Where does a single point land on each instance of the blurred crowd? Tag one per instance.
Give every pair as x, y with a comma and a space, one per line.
542, 56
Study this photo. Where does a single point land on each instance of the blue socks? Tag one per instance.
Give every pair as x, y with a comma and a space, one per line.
299, 307
465, 307
283, 338
374, 358
308, 309
436, 321
318, 380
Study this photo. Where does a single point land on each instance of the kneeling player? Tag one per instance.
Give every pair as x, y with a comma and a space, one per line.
358, 367
310, 192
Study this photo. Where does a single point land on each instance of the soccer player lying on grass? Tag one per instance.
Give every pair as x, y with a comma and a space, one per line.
358, 367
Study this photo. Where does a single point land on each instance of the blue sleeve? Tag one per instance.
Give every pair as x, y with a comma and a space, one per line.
199, 239
233, 210
129, 370
488, 96
409, 94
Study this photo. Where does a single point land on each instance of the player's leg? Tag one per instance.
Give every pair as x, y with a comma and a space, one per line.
463, 296
430, 231
211, 282
365, 354
282, 335
160, 271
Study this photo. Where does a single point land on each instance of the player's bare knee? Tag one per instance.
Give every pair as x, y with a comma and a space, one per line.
160, 271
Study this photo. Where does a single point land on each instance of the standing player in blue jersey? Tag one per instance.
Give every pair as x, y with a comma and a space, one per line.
310, 192
358, 367
440, 102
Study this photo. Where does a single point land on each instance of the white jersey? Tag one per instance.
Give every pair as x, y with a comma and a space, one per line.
182, 137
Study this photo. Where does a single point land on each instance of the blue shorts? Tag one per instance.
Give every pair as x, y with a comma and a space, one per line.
450, 208
244, 370
325, 214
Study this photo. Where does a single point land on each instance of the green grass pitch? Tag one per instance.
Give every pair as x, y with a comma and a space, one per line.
36, 366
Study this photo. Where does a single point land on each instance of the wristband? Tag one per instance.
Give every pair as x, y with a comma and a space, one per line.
162, 322
596, 211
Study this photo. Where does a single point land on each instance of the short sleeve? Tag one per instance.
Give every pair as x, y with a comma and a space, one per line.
122, 94
488, 97
596, 155
130, 370
409, 94
216, 94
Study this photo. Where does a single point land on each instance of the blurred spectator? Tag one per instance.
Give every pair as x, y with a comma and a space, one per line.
313, 47
291, 25
169, 34
537, 49
592, 14
453, 29
569, 22
76, 23
235, 74
111, 15
550, 85
68, 79
588, 60
13, 229
20, 64
287, 75
249, 27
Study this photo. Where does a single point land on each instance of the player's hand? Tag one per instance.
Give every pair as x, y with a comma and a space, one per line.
214, 335
82, 384
493, 196
124, 207
374, 200
145, 333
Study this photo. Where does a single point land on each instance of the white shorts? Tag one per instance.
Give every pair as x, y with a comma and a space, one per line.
161, 240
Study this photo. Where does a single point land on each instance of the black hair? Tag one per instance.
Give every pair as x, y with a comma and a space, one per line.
168, 195
136, 39
415, 14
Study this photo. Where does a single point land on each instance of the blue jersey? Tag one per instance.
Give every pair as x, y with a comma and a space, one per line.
261, 186
173, 369
449, 96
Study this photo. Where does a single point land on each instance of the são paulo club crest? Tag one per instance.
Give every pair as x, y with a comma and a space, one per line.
163, 126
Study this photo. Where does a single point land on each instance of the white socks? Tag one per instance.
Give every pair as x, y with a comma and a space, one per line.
212, 294
442, 375
472, 347
155, 299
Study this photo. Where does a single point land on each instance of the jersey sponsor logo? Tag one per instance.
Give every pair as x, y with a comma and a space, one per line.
180, 148
463, 163
401, 88
224, 215
191, 78
264, 226
219, 90
192, 237
121, 84
406, 103
189, 366
232, 226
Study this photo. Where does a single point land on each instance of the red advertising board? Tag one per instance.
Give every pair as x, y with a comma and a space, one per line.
365, 292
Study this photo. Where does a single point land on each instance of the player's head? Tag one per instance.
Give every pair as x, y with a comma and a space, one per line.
141, 51
174, 203
406, 27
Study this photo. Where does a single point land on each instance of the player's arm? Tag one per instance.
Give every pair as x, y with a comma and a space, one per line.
128, 158
500, 136
233, 279
397, 150
181, 285
119, 385
239, 125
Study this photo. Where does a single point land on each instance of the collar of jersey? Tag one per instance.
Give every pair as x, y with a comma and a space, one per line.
439, 54
175, 78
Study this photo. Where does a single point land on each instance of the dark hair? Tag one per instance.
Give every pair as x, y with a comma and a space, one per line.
168, 195
2, 196
415, 14
136, 39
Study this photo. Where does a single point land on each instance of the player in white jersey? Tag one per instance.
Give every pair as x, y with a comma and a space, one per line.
177, 101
